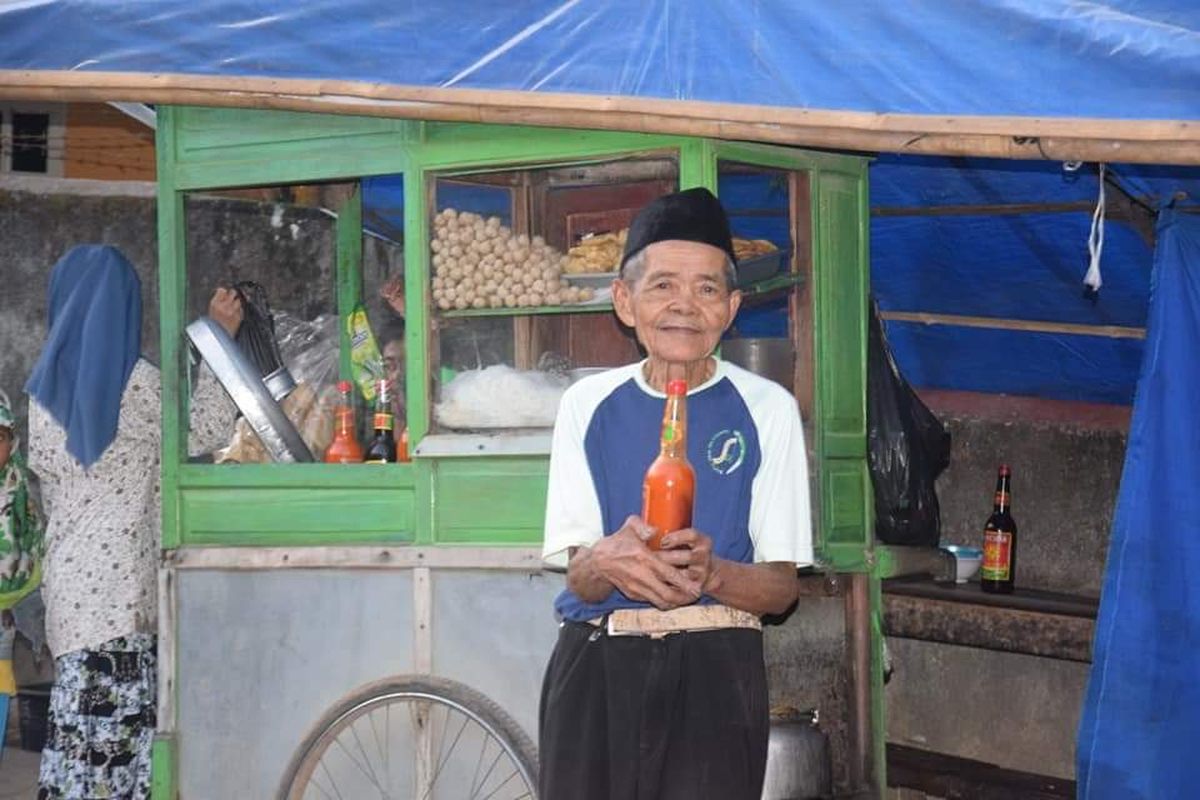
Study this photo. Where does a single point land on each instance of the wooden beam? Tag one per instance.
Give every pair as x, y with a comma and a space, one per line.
1058, 139
1069, 328
954, 778
525, 559
983, 209
1060, 636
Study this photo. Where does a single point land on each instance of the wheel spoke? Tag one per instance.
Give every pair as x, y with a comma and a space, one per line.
361, 768
503, 783
332, 783
442, 764
486, 775
437, 753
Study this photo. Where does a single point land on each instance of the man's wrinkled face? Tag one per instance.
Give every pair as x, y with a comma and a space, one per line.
680, 304
393, 362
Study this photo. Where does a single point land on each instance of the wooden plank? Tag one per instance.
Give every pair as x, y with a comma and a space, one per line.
355, 557
348, 269
953, 778
1069, 328
1038, 600
801, 301
1010, 630
1036, 138
132, 85
168, 647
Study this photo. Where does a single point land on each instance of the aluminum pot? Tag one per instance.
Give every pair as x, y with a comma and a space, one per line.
798, 766
770, 358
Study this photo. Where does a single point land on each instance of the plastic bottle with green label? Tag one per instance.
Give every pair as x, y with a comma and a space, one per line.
366, 363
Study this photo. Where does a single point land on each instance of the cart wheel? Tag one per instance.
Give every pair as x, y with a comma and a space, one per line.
413, 736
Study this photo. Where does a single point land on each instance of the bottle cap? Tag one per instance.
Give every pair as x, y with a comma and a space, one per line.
343, 386
677, 387
1004, 470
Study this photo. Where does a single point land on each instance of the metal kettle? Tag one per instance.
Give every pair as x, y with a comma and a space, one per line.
798, 765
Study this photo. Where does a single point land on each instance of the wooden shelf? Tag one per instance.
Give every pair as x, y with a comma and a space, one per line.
1032, 622
954, 778
755, 290
525, 311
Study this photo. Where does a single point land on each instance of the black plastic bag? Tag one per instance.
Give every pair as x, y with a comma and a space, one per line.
257, 332
908, 448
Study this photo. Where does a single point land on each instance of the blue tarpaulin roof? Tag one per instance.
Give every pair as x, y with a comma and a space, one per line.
1125, 60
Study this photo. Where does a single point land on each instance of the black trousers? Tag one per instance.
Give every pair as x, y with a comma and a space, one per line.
634, 718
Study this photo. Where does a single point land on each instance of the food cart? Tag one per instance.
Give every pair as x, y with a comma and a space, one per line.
324, 624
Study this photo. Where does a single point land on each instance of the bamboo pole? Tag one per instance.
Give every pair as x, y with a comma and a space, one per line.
1149, 141
1069, 328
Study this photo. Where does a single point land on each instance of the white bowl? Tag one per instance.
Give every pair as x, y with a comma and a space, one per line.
966, 561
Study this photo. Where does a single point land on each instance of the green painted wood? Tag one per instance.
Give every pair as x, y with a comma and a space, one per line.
463, 147
845, 486
841, 314
291, 515
878, 698
218, 147
164, 784
490, 500
299, 476
205, 131
698, 165
766, 155
840, 278
349, 272
418, 300
529, 311
172, 249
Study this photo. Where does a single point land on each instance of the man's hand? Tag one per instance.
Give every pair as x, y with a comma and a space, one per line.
691, 551
226, 308
392, 293
623, 561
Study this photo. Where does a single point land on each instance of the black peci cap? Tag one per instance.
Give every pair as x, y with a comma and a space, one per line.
694, 215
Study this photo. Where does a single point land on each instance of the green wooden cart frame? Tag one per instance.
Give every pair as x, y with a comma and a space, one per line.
482, 510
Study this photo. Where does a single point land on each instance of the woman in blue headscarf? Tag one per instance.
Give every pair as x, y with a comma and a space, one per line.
94, 422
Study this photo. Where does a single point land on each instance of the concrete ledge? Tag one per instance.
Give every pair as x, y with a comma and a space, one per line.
1033, 623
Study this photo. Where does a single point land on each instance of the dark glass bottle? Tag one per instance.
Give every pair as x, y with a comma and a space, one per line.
382, 448
999, 570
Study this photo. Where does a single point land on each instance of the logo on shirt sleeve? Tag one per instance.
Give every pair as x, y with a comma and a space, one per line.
726, 451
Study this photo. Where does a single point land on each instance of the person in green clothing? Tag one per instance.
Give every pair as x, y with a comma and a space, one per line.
20, 547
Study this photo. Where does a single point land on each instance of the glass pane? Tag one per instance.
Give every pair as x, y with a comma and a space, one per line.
522, 262
278, 247
31, 142
769, 216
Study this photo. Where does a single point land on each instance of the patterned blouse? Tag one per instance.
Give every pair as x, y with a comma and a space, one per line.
104, 524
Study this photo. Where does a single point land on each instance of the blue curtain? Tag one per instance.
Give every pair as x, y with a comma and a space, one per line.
1141, 717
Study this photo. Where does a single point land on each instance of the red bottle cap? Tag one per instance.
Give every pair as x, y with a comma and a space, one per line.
1004, 470
677, 387
343, 386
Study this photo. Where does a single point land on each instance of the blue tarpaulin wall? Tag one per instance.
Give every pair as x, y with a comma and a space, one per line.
927, 257
1141, 717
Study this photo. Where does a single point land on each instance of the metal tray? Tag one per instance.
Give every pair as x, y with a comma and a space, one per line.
759, 268
596, 280
245, 386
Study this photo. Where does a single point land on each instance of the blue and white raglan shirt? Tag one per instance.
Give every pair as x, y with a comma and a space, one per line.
745, 443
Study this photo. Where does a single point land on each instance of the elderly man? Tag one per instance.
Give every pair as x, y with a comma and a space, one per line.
657, 686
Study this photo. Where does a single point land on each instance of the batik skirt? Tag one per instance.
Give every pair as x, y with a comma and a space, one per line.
102, 718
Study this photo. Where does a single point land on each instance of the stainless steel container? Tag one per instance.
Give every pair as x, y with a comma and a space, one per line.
798, 766
770, 358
